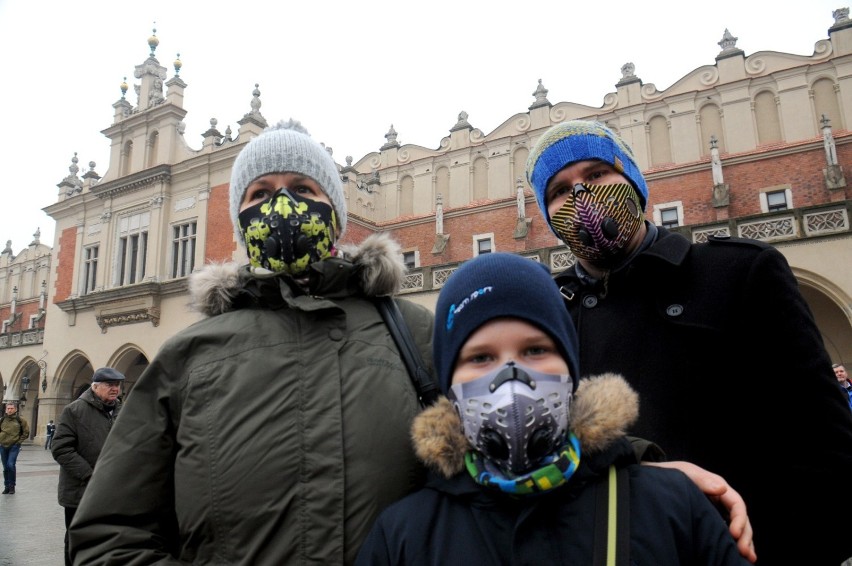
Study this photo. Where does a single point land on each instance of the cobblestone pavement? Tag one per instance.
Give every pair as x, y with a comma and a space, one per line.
32, 524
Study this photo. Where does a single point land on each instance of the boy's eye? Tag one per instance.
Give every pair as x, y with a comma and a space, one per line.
479, 358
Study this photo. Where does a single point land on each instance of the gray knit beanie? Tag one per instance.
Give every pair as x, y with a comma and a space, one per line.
282, 148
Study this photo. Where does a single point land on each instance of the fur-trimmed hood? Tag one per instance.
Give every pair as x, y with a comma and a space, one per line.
375, 264
601, 410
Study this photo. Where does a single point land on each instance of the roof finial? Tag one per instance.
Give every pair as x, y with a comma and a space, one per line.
153, 42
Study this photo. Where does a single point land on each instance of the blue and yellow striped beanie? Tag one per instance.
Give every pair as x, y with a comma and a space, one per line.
579, 140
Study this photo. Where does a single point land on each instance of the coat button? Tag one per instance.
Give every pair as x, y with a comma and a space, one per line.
674, 310
335, 334
590, 301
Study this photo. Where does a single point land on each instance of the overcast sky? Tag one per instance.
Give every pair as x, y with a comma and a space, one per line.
346, 70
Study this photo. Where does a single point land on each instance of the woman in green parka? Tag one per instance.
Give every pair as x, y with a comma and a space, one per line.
274, 430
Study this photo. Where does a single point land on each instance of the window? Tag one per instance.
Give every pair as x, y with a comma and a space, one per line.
776, 200
183, 249
668, 218
668, 214
483, 244
132, 252
90, 269
409, 259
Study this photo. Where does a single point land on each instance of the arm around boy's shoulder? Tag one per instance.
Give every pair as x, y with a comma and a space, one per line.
667, 496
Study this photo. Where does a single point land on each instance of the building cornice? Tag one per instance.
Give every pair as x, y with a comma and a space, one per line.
133, 182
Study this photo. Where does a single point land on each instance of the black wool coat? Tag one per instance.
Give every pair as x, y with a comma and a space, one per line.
733, 376
454, 521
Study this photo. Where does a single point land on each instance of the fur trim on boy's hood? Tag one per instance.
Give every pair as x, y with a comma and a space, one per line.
214, 287
602, 409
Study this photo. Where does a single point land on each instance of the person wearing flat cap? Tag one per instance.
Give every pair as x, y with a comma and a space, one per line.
80, 435
275, 429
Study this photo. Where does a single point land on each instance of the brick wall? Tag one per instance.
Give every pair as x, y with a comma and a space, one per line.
220, 231
65, 264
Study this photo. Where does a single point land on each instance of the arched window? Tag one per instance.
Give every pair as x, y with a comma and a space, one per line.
406, 196
661, 148
153, 148
480, 179
711, 125
126, 157
766, 114
825, 102
442, 184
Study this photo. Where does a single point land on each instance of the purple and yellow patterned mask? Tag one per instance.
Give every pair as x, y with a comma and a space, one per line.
598, 221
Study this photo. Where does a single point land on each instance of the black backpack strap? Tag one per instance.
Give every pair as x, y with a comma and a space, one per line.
612, 520
427, 390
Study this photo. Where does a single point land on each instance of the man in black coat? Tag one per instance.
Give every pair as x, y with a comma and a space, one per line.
83, 428
716, 338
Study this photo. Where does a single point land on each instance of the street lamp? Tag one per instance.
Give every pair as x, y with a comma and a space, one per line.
25, 384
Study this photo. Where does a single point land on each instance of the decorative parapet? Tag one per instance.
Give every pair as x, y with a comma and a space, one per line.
781, 225
701, 236
561, 259
825, 222
769, 229
25, 338
412, 282
440, 276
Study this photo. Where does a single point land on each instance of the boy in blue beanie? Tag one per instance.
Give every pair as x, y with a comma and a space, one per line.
696, 329
521, 452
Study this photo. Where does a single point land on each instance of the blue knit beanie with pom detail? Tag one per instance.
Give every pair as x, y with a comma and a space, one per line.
499, 285
580, 140
285, 147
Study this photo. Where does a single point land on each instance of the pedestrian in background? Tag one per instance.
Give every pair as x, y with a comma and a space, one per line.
14, 429
696, 329
51, 430
84, 425
843, 380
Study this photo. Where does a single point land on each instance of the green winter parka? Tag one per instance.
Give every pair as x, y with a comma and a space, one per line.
271, 432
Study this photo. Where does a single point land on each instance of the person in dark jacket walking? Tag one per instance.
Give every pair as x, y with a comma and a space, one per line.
274, 430
696, 328
50, 430
14, 429
84, 425
521, 450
